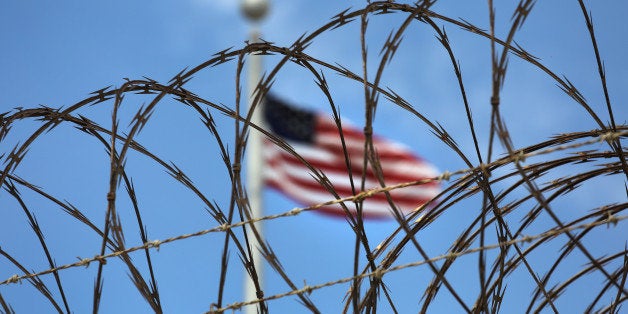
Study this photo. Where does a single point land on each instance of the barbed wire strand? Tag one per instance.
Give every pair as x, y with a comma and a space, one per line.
445, 176
380, 271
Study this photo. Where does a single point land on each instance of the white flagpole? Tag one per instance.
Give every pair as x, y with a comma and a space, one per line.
254, 10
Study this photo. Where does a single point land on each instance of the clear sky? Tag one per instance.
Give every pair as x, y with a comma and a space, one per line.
55, 54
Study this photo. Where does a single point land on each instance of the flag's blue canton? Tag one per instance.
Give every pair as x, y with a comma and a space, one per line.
288, 122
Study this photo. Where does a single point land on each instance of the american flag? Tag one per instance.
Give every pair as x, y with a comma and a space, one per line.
316, 138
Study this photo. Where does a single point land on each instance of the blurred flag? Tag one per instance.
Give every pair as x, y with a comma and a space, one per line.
315, 137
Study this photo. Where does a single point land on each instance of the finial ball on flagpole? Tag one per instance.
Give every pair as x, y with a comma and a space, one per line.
254, 10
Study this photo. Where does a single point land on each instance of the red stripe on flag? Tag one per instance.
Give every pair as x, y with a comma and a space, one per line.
393, 174
408, 195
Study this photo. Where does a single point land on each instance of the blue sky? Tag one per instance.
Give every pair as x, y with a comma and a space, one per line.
55, 54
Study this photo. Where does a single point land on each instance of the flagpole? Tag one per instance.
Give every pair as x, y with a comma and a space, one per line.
254, 11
